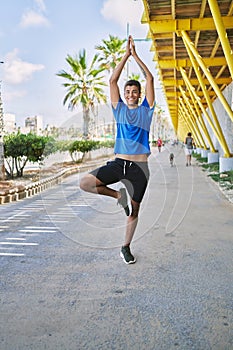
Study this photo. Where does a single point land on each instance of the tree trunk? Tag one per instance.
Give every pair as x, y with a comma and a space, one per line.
86, 121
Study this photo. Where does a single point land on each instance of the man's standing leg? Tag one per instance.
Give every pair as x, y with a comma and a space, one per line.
132, 222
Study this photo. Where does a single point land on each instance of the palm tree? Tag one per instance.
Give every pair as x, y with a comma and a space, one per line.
111, 52
84, 86
134, 76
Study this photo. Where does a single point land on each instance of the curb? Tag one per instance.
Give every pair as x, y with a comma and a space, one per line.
21, 192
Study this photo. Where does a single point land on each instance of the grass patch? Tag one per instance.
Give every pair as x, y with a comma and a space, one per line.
212, 167
225, 179
199, 158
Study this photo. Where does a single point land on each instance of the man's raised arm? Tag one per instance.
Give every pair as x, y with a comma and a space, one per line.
114, 89
149, 88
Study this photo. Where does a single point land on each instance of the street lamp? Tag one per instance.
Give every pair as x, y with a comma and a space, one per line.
2, 168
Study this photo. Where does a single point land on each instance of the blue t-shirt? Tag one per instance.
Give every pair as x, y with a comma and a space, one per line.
133, 127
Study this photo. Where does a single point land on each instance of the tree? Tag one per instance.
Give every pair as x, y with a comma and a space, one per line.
82, 147
111, 52
134, 76
84, 86
21, 148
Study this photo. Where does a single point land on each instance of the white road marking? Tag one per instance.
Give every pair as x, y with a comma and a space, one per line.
11, 254
16, 239
38, 231
42, 227
16, 243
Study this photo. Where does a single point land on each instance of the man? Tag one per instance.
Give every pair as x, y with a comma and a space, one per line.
131, 148
188, 148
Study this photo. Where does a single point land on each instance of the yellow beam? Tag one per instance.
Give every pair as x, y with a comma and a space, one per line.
187, 24
199, 93
182, 63
161, 36
164, 48
173, 82
145, 16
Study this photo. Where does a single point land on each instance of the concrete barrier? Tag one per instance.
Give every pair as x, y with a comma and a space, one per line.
204, 153
213, 157
225, 164
21, 192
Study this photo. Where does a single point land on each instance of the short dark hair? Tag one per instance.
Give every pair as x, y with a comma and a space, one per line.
133, 82
189, 134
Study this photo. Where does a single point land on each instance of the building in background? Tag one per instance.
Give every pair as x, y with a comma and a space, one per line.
9, 123
34, 125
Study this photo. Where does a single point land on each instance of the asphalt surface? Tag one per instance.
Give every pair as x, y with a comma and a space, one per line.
64, 286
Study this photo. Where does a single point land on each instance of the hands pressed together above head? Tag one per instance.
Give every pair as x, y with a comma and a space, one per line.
130, 47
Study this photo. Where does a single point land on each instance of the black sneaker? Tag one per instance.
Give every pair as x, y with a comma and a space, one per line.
123, 201
127, 256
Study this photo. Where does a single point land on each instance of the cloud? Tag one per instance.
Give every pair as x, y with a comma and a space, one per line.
123, 11
33, 19
41, 5
17, 71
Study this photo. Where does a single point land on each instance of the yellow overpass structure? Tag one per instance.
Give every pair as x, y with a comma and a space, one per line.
192, 42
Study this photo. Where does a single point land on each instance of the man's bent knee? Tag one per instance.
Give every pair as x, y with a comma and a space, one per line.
87, 182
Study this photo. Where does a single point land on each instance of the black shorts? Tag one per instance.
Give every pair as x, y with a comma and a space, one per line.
134, 175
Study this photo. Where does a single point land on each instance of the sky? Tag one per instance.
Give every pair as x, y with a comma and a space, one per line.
37, 35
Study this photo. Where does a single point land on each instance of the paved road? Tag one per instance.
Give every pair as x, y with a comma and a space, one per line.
64, 286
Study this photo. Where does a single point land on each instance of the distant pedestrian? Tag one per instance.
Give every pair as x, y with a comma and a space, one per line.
131, 148
159, 144
188, 148
171, 158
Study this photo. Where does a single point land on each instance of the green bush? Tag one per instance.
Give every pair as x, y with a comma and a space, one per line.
82, 147
21, 148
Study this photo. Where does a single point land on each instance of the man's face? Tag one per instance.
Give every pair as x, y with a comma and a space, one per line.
132, 95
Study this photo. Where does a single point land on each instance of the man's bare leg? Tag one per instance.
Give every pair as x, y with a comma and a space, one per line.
90, 183
130, 230
132, 222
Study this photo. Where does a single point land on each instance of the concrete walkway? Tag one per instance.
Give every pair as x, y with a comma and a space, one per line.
79, 295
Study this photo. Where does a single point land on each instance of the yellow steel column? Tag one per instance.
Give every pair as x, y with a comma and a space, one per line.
185, 125
207, 73
182, 130
187, 81
216, 132
196, 129
185, 112
199, 119
214, 8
